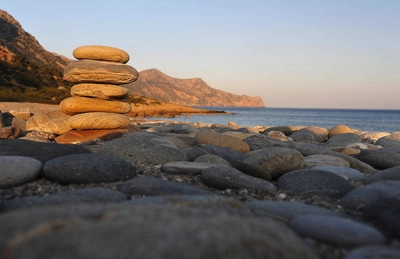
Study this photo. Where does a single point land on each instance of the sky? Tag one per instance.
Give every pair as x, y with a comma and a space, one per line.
291, 53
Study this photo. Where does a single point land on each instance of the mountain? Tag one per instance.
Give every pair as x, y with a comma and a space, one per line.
15, 41
154, 84
29, 73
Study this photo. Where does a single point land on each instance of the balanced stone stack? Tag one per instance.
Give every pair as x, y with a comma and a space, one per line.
96, 101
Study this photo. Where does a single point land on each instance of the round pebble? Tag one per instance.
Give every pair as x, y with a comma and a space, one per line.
16, 170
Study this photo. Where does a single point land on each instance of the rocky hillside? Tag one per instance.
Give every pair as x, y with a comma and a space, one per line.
28, 73
15, 41
154, 84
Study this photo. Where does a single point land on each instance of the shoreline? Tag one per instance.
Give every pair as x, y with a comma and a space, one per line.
153, 145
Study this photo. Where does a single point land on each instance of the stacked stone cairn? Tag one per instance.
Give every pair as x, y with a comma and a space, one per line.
98, 94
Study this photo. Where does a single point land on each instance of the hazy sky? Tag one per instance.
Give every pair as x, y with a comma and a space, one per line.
292, 53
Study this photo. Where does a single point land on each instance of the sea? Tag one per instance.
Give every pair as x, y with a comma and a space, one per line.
360, 119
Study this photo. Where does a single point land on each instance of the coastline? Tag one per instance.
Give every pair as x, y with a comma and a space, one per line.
153, 144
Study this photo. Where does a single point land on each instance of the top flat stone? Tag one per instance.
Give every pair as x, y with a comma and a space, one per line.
102, 53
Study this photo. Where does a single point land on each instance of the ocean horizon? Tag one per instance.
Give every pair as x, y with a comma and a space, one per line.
382, 120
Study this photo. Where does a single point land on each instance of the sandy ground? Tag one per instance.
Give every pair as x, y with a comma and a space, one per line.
31, 107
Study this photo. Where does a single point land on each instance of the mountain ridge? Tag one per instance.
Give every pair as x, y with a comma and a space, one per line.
155, 84
30, 73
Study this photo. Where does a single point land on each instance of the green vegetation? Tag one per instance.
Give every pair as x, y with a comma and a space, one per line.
23, 81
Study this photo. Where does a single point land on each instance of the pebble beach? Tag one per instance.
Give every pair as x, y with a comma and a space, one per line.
177, 190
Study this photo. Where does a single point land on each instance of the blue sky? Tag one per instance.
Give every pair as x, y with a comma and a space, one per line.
292, 53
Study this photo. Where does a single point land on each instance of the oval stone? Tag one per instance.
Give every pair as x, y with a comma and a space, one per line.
16, 170
88, 168
272, 162
104, 53
89, 71
101, 91
99, 120
75, 105
219, 139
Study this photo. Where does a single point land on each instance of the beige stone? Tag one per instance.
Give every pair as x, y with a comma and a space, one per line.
101, 91
339, 129
54, 122
91, 71
316, 160
346, 150
104, 53
219, 139
99, 120
74, 105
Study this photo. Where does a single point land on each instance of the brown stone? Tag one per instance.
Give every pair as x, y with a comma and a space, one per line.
53, 122
90, 71
339, 129
82, 136
74, 105
103, 53
346, 150
99, 120
219, 139
9, 132
101, 91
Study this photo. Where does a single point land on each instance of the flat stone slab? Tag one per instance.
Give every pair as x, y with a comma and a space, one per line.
101, 91
105, 72
76, 104
82, 136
